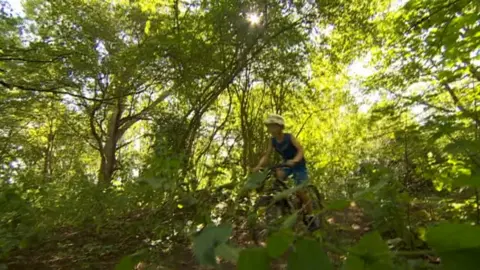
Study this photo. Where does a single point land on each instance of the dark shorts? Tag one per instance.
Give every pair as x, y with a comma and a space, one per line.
299, 174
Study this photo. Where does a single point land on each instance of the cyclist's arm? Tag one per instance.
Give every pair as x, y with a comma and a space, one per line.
299, 147
266, 157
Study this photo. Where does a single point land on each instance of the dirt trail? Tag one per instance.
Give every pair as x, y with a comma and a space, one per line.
89, 249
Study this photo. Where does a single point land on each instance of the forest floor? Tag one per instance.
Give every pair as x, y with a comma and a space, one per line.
91, 248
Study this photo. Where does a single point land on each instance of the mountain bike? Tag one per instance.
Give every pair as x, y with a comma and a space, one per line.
270, 210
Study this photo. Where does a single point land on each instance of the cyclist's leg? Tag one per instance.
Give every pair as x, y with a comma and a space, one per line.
283, 173
300, 176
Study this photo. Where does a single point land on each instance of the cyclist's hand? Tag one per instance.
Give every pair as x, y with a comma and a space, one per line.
290, 163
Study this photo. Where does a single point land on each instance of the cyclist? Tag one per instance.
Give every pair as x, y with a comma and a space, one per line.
292, 152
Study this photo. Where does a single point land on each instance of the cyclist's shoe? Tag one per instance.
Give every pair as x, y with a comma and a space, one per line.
313, 223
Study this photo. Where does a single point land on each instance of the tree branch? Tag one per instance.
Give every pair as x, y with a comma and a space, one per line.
304, 123
128, 121
454, 97
215, 131
93, 129
52, 90
473, 69
27, 60
431, 14
422, 102
458, 103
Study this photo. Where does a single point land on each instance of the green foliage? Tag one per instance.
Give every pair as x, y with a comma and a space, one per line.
308, 254
290, 221
287, 193
130, 262
371, 192
255, 180
465, 177
253, 258
371, 252
338, 205
456, 244
127, 124
227, 252
279, 242
205, 243
18, 221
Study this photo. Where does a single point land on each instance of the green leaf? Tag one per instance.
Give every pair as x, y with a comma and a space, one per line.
147, 27
227, 252
279, 242
338, 205
253, 259
205, 243
286, 193
154, 183
290, 221
371, 252
255, 180
458, 245
308, 255
461, 146
459, 236
354, 263
126, 263
369, 192
467, 178
129, 262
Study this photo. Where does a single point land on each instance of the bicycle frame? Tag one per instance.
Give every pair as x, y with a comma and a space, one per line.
278, 186
282, 207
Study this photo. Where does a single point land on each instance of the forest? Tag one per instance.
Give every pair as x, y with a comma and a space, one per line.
128, 130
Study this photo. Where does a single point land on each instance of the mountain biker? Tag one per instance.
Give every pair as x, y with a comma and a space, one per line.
292, 152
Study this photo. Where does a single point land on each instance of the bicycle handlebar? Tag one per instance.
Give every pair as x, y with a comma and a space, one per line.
281, 165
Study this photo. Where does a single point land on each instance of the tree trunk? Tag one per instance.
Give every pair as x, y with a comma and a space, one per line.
107, 141
109, 149
48, 160
245, 138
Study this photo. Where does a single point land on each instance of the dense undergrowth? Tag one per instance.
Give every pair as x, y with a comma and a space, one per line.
100, 228
128, 130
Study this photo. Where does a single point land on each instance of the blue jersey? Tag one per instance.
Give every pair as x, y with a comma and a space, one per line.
287, 150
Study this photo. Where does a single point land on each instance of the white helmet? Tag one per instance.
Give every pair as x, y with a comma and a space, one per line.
274, 119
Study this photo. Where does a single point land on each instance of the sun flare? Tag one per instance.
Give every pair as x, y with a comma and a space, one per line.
253, 18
